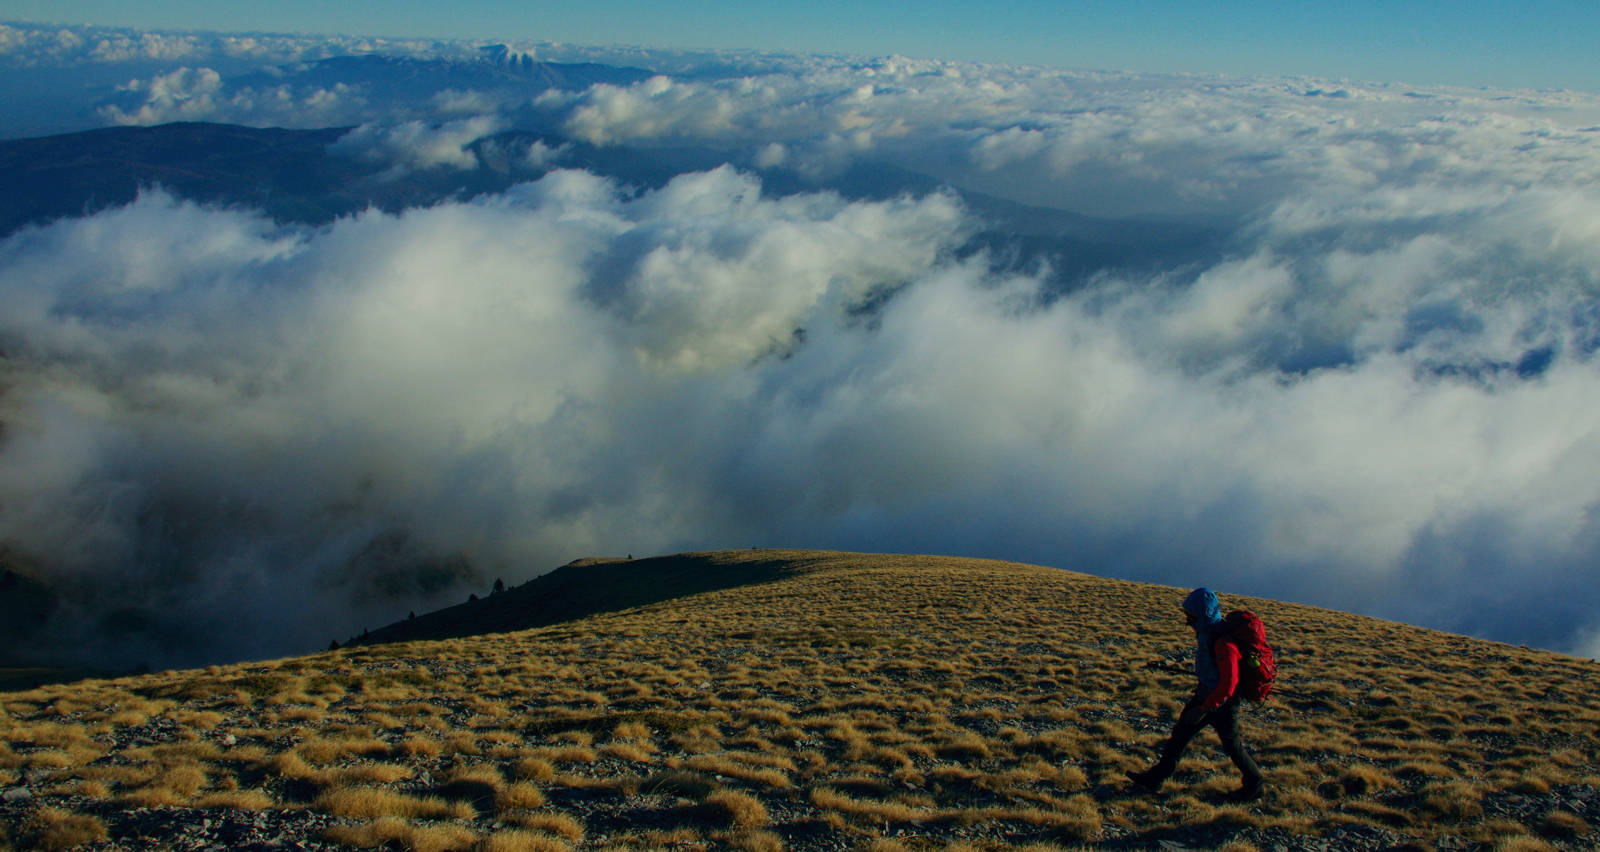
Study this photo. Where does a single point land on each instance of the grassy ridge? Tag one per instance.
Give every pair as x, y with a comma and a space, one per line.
840, 701
586, 587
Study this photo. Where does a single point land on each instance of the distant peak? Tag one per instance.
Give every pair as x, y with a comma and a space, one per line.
505, 55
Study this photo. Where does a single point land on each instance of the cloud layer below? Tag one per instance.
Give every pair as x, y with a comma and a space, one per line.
1377, 393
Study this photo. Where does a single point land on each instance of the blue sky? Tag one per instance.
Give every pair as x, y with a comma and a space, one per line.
1538, 43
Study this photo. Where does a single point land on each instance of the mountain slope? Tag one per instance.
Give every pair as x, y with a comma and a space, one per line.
836, 701
291, 175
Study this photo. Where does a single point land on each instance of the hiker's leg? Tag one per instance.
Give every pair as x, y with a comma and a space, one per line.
1189, 723
1225, 721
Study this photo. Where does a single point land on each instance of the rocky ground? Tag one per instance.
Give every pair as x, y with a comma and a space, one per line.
283, 829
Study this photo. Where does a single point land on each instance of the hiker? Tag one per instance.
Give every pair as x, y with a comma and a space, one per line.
1215, 703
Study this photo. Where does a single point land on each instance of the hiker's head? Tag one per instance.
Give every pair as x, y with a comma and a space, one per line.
1202, 607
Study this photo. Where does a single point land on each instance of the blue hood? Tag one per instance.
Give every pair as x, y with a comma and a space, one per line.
1202, 603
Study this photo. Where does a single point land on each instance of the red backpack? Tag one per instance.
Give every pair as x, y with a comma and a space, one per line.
1258, 667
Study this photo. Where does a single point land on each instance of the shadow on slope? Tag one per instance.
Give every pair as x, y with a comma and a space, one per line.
586, 587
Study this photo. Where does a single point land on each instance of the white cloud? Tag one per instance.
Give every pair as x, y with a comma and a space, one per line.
1371, 385
457, 102
415, 145
656, 107
462, 373
187, 94
201, 94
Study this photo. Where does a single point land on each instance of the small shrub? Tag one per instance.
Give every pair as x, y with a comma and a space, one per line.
1522, 843
520, 794
1361, 779
534, 769
1563, 824
417, 746
479, 785
152, 797
756, 841
967, 745
185, 780
1424, 769
629, 751
371, 803
387, 831
1455, 801
289, 764
560, 825
1380, 813
518, 840
569, 754
742, 810
687, 785
238, 800
325, 751
1535, 785
631, 730
89, 790
48, 759
828, 799
53, 828
441, 838
732, 766
580, 738
366, 773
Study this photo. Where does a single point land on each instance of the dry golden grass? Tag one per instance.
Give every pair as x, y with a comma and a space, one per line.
558, 825
740, 809
242, 800
391, 831
888, 702
52, 828
370, 802
517, 840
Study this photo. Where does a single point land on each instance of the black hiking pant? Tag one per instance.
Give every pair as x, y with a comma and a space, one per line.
1225, 721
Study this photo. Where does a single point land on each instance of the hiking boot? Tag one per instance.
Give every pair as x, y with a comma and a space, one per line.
1148, 780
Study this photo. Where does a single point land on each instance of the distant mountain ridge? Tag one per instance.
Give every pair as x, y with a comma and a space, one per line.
586, 587
496, 68
294, 177
291, 175
287, 173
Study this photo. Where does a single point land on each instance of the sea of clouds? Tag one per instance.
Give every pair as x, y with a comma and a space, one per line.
1377, 390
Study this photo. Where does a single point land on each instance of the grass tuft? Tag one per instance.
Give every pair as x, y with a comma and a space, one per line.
395, 832
741, 810
52, 828
372, 803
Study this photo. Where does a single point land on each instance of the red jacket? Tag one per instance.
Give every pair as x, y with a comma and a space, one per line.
1227, 656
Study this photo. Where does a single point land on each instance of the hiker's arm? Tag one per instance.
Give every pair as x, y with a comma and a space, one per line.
1228, 667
